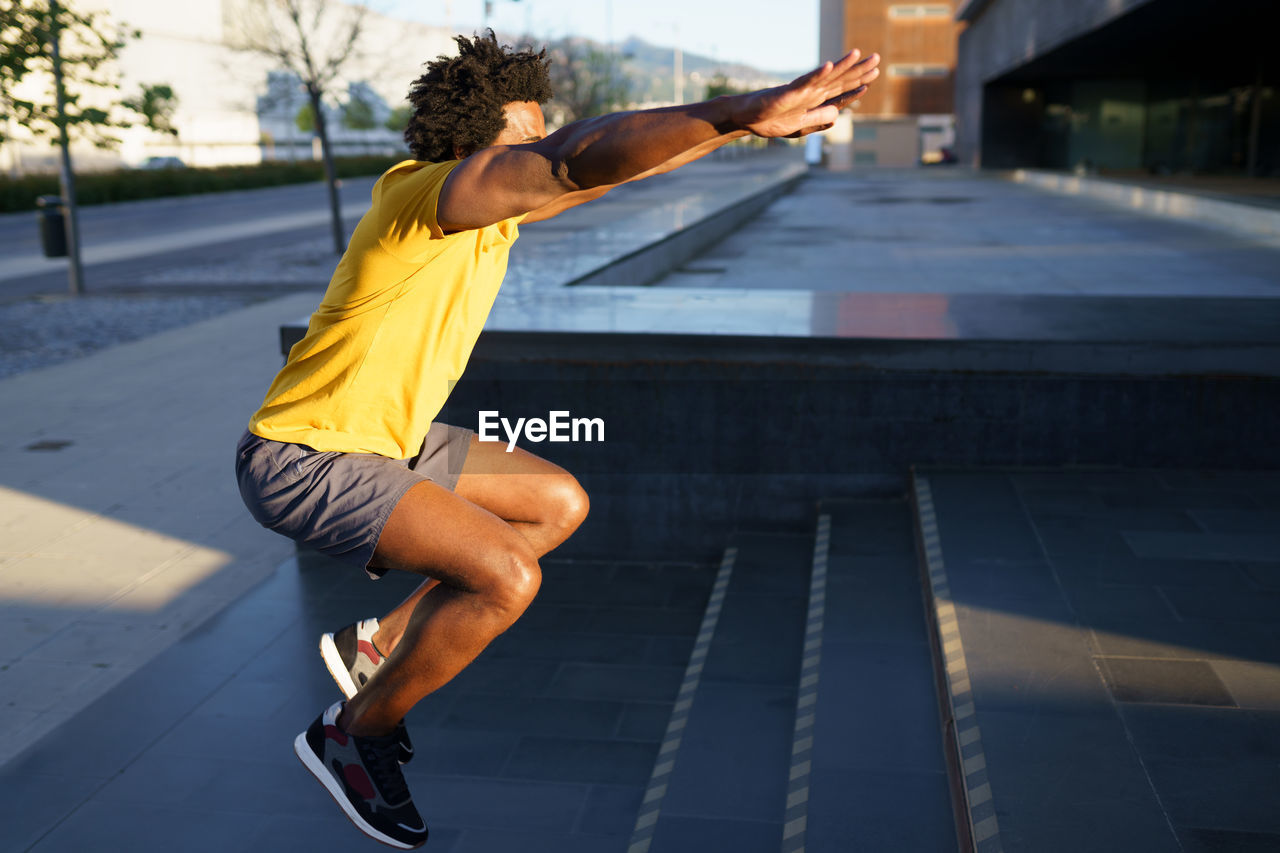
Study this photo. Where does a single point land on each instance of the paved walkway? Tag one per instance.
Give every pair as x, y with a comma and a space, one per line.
1113, 646
122, 534
122, 529
942, 232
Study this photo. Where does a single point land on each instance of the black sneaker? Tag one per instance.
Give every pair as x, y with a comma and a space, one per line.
352, 659
362, 775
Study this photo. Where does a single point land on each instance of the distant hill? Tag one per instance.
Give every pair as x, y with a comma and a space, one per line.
651, 68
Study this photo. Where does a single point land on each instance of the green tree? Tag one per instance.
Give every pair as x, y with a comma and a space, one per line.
358, 114
719, 85
399, 119
90, 42
586, 80
305, 120
45, 40
156, 103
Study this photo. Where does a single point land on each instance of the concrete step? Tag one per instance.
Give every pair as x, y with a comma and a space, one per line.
868, 770
720, 778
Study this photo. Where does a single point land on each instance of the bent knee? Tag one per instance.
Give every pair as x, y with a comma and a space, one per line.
515, 577
569, 502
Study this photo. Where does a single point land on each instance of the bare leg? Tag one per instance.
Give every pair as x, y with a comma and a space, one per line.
539, 499
486, 568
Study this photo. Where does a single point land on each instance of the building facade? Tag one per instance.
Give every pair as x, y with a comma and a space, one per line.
1154, 86
906, 116
234, 107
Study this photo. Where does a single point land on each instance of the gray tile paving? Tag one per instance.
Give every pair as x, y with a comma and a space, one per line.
881, 711
1247, 547
1196, 840
1161, 680
513, 750
1141, 703
1070, 783
956, 232
121, 543
879, 778
496, 841
104, 825
113, 564
883, 809
733, 756
686, 834
1225, 604
1251, 684
735, 747
610, 810
580, 759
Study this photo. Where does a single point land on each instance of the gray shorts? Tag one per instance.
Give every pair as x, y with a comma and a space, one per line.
337, 503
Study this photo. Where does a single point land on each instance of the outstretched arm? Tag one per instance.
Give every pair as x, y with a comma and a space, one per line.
573, 199
589, 157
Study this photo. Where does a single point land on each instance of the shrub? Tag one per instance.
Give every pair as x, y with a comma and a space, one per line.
129, 184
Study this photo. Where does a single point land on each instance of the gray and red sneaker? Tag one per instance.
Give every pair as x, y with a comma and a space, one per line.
364, 778
352, 659
351, 656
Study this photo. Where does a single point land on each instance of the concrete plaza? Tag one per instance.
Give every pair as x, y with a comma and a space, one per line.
160, 645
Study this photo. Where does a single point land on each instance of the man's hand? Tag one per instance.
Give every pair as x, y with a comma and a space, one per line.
810, 102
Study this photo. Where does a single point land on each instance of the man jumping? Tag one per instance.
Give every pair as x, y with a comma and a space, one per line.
343, 455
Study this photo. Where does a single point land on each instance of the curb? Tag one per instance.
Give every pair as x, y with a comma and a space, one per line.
1244, 218
976, 823
651, 262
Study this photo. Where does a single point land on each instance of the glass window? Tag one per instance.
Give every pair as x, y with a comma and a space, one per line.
907, 11
919, 69
864, 131
866, 158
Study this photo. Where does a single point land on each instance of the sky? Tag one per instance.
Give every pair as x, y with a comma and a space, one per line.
767, 34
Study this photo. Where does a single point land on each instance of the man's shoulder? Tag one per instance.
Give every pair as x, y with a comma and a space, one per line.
404, 200
403, 220
416, 171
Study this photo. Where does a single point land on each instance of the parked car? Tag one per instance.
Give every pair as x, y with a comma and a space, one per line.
163, 163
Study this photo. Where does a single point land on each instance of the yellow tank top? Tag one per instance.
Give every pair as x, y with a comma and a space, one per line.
395, 328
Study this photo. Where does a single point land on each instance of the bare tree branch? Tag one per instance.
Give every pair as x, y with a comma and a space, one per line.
317, 40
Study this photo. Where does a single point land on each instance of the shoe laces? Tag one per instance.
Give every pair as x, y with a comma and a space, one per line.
381, 756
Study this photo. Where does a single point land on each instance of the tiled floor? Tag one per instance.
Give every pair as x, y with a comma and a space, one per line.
549, 738
915, 232
729, 784
1122, 633
879, 772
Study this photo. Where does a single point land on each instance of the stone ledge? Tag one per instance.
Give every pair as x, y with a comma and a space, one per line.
1244, 218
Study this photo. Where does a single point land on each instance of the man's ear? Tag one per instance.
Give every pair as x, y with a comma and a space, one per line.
460, 153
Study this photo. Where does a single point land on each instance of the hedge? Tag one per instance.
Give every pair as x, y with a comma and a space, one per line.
128, 184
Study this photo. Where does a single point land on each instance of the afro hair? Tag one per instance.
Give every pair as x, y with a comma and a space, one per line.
457, 103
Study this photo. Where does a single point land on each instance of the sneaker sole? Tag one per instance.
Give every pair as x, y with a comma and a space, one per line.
308, 758
337, 669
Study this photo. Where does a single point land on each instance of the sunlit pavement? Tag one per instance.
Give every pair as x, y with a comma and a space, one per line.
1113, 654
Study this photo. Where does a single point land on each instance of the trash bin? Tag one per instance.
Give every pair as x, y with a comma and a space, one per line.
53, 226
